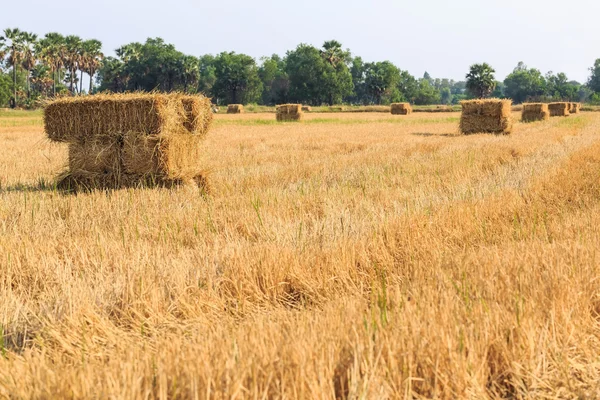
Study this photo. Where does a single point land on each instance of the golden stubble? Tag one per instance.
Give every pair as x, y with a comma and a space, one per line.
346, 256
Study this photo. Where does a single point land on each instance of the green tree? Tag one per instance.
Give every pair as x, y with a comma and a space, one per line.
560, 88
274, 79
237, 79
594, 81
480, 80
316, 76
524, 83
153, 65
408, 86
52, 51
91, 59
338, 80
71, 59
112, 76
5, 89
426, 93
380, 79
12, 44
29, 59
207, 78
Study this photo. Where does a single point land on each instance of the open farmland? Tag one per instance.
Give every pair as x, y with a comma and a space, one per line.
357, 255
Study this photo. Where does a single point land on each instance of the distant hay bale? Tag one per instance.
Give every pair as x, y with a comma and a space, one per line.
72, 119
306, 108
486, 116
235, 109
289, 112
535, 112
574, 108
400, 108
129, 140
560, 109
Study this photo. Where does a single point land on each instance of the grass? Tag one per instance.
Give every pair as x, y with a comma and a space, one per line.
341, 257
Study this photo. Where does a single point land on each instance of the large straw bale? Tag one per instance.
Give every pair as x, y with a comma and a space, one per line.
486, 116
535, 112
235, 109
73, 119
560, 109
400, 108
169, 156
289, 112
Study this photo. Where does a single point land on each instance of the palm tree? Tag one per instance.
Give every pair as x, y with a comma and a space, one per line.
335, 56
14, 50
481, 81
333, 53
190, 72
92, 51
29, 56
51, 49
72, 58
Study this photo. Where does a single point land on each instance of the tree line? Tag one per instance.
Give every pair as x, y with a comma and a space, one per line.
33, 68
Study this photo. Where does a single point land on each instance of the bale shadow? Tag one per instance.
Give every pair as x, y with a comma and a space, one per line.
41, 186
428, 134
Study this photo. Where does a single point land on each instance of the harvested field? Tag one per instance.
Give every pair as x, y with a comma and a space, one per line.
354, 255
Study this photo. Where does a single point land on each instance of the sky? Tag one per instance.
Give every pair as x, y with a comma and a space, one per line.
438, 36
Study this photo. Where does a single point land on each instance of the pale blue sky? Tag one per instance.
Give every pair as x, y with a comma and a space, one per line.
442, 37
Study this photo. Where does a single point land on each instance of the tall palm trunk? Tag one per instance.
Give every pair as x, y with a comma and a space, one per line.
53, 81
15, 79
91, 73
81, 82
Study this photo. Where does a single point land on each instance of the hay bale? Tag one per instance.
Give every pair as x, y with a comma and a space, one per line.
535, 112
130, 140
100, 155
486, 116
400, 108
235, 109
72, 119
306, 108
289, 112
560, 109
165, 156
198, 114
574, 108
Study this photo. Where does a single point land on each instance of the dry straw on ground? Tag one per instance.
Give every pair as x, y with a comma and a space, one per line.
123, 140
400, 108
355, 257
560, 109
235, 109
289, 112
535, 112
486, 116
